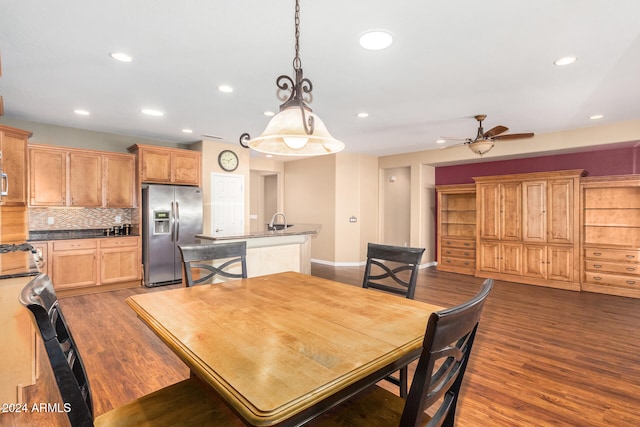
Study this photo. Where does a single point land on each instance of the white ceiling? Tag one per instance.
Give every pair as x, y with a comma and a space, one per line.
450, 60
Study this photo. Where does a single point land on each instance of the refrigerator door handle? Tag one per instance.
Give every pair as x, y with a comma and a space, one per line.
173, 222
177, 221
5, 185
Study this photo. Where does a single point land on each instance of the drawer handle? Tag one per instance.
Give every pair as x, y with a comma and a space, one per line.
597, 266
466, 263
466, 254
631, 256
448, 252
449, 261
467, 244
597, 278
597, 254
631, 282
631, 269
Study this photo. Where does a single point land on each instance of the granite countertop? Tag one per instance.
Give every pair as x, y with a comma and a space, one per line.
294, 230
42, 235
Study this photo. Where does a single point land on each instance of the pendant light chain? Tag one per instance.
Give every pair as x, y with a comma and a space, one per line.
297, 63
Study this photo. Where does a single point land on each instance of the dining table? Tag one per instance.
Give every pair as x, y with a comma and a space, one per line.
281, 349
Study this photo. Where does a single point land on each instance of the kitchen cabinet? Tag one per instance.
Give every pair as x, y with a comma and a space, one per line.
81, 266
528, 228
74, 263
61, 176
456, 228
163, 165
119, 180
13, 158
47, 176
85, 179
611, 235
119, 260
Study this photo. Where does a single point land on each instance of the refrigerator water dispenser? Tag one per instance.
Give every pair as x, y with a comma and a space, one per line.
161, 222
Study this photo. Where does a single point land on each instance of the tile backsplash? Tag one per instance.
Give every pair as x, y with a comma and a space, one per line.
79, 218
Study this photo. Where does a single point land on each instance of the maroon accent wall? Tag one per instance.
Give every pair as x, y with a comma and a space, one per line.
618, 161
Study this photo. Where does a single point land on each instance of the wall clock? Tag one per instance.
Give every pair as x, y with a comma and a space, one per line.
228, 160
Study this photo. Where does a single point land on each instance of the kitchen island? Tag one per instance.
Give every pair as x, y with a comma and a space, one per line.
274, 251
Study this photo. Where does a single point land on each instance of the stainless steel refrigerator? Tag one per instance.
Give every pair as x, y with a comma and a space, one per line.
171, 216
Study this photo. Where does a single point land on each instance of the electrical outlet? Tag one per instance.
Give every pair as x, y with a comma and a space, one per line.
50, 220
118, 219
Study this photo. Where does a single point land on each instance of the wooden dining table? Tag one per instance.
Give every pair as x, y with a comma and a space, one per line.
284, 348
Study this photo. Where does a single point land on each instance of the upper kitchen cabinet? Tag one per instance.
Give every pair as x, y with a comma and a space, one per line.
60, 176
13, 162
163, 165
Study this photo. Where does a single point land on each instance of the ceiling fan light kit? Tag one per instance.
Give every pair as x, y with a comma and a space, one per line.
295, 130
484, 141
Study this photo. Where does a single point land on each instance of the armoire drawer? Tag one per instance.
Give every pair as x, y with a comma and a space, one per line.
632, 282
620, 255
458, 243
611, 267
459, 253
459, 262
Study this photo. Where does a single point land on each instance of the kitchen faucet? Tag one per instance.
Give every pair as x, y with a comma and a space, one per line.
273, 218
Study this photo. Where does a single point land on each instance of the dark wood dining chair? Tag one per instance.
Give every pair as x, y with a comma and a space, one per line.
200, 259
187, 403
387, 269
436, 384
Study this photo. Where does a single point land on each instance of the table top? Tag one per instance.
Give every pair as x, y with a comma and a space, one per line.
273, 346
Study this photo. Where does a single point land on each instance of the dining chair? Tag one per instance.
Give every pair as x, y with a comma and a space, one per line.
446, 349
200, 259
188, 402
386, 269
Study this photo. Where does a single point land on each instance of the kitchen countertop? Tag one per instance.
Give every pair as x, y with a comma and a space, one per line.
294, 230
42, 235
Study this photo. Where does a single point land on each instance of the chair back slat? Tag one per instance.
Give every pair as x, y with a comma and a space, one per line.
385, 265
200, 258
40, 298
446, 348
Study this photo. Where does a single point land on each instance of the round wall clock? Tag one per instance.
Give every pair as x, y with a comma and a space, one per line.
228, 160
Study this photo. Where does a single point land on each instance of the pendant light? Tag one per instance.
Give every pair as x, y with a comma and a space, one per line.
295, 130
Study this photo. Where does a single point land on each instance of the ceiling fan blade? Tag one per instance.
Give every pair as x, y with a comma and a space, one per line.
495, 131
453, 138
513, 136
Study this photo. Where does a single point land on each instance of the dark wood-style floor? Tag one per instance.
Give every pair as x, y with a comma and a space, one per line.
542, 357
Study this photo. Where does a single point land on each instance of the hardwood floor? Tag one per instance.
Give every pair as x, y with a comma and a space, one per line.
542, 357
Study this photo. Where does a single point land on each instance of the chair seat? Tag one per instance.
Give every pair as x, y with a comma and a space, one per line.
374, 407
189, 401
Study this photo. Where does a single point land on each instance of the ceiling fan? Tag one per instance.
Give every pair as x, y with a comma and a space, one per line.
483, 142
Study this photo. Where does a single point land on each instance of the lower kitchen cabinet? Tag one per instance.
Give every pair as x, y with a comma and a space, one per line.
92, 265
119, 260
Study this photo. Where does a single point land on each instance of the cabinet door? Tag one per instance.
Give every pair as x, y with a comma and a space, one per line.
156, 165
535, 261
73, 269
534, 207
85, 179
47, 177
186, 168
511, 258
511, 211
560, 211
488, 209
560, 263
488, 254
14, 165
119, 265
119, 182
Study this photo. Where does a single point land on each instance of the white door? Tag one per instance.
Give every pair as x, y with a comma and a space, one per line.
227, 200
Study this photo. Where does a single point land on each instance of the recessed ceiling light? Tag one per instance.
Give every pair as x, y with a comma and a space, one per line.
596, 117
363, 115
376, 40
82, 112
269, 113
566, 60
152, 112
187, 130
225, 88
269, 156
120, 56
441, 141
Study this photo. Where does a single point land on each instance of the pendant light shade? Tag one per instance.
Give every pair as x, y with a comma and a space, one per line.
295, 130
482, 146
285, 135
